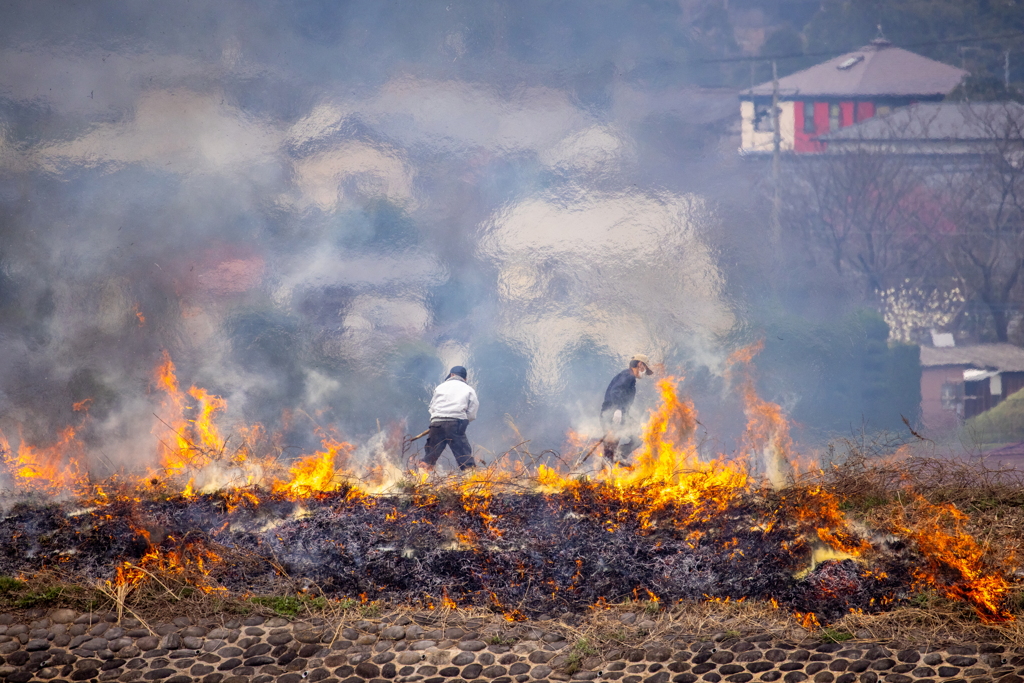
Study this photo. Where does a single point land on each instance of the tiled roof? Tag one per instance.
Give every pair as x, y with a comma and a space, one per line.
1002, 357
963, 121
877, 69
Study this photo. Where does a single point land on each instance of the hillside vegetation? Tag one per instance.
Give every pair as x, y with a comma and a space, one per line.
1003, 424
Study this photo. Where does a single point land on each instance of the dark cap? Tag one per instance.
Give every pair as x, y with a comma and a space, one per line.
458, 370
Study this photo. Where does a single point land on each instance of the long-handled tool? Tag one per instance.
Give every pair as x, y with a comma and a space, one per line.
409, 440
418, 436
589, 452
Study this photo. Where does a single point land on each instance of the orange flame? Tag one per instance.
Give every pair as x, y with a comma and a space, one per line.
766, 438
196, 440
668, 471
956, 563
819, 510
138, 314
477, 490
575, 441
47, 470
315, 473
190, 559
808, 620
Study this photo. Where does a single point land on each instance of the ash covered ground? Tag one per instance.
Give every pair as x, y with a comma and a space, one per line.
520, 554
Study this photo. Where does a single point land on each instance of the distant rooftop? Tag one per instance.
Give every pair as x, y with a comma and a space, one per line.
877, 69
1002, 357
964, 121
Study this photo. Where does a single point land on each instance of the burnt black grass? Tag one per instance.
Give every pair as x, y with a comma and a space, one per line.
537, 555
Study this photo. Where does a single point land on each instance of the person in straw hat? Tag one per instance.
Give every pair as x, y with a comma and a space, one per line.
620, 433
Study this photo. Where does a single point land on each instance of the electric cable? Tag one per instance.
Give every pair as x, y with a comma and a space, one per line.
835, 53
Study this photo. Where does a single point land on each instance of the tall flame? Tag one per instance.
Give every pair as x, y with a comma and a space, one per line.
668, 471
196, 440
766, 438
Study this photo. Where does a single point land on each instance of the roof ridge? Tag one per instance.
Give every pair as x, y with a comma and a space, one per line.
891, 71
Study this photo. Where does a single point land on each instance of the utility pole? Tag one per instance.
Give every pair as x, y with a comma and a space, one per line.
776, 150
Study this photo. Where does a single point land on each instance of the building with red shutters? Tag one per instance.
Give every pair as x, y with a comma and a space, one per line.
838, 93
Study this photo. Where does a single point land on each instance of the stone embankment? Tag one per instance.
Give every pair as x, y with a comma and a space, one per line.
62, 645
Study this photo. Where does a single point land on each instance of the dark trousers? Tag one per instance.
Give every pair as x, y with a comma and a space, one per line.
449, 433
619, 440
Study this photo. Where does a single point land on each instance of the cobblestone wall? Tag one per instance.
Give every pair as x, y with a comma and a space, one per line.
63, 645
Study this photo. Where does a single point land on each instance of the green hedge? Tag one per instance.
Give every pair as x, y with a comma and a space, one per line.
838, 377
1003, 424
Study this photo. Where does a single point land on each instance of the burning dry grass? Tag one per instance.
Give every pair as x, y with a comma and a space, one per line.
707, 545
875, 545
200, 574
965, 517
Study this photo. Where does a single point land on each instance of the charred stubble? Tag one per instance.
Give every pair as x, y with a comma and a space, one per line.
528, 554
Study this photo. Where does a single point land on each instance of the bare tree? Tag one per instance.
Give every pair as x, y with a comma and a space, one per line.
985, 203
867, 210
930, 194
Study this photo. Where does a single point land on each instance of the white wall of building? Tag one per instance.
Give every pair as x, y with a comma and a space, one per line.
763, 141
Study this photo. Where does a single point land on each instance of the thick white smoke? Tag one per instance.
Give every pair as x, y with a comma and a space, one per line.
309, 218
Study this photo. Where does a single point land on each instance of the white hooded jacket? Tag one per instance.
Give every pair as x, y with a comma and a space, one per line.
454, 400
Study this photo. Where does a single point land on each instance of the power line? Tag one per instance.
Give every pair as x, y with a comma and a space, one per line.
833, 53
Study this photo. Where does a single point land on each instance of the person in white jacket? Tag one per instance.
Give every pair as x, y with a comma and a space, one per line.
452, 408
